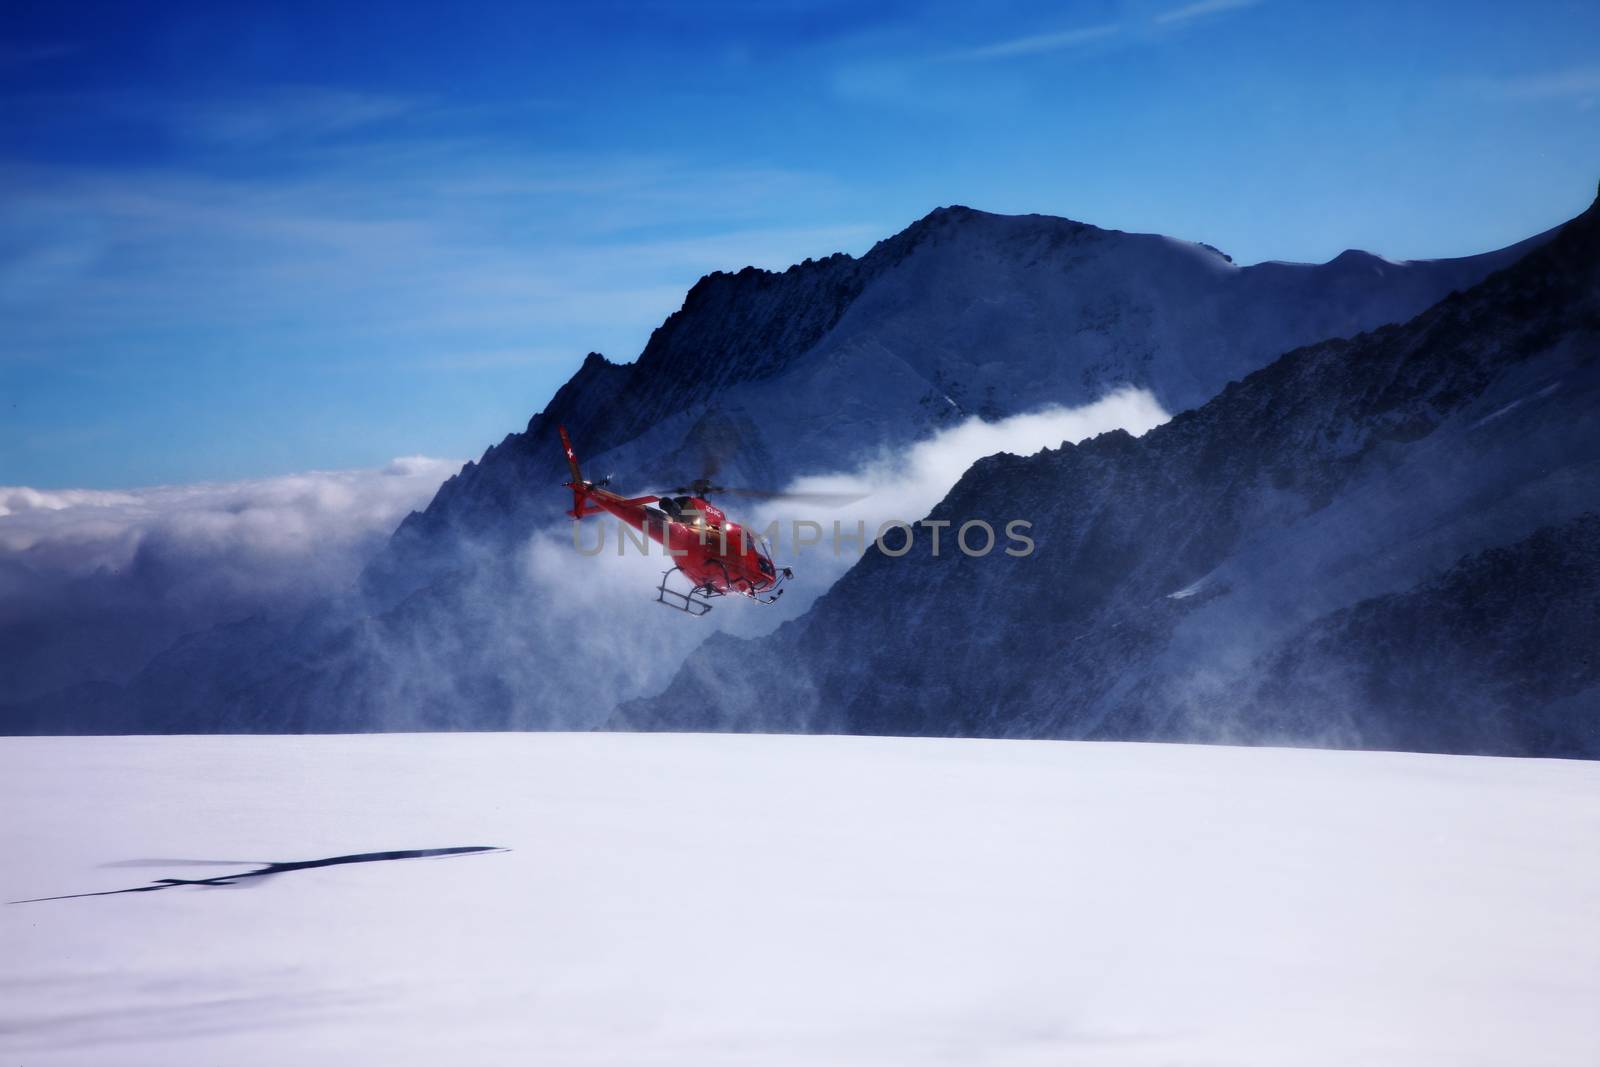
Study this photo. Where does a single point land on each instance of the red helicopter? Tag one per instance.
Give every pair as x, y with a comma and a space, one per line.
716, 555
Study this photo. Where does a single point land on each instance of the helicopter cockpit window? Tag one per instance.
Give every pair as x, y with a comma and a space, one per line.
766, 566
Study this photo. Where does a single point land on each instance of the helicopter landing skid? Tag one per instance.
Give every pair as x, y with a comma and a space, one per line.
694, 602
783, 576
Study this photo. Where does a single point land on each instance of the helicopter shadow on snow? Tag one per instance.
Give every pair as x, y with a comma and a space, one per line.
262, 869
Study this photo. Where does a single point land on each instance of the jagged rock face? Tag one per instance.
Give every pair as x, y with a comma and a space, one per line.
962, 313
1382, 541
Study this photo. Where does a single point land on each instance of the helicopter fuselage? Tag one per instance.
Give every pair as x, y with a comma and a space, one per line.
716, 554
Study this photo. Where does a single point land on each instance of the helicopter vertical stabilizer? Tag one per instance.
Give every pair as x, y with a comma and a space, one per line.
572, 457
581, 505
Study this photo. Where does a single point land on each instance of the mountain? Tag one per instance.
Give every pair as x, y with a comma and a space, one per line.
1384, 541
459, 624
962, 313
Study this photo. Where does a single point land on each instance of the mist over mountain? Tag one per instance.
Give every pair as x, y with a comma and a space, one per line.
1386, 541
478, 614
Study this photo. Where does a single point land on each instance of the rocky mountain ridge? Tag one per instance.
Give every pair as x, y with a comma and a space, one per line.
1256, 569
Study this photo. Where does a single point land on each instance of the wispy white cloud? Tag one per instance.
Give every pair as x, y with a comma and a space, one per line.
1201, 9
13, 56
897, 77
463, 247
1574, 83
1037, 43
380, 233
281, 113
495, 358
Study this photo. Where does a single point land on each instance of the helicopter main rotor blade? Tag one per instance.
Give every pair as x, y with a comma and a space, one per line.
698, 487
702, 488
822, 499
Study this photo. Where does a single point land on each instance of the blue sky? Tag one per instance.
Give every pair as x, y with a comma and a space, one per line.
239, 240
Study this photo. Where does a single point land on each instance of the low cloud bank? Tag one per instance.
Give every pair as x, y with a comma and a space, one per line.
96, 583
93, 582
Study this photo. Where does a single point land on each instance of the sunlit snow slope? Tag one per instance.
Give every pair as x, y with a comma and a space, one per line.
697, 900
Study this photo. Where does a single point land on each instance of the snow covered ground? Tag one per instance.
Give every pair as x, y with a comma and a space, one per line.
797, 900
